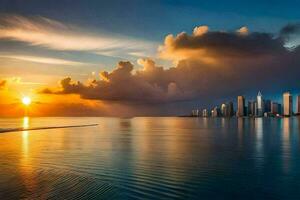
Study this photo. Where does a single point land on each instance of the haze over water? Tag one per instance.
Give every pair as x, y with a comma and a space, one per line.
151, 158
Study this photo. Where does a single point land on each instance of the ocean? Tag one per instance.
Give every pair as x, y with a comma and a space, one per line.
151, 158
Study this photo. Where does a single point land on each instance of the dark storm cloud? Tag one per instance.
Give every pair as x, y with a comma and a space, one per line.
210, 64
290, 29
215, 44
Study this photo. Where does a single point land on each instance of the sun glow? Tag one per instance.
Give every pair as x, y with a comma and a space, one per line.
26, 101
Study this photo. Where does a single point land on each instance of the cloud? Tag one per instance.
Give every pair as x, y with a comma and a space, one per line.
243, 31
123, 85
290, 33
209, 65
290, 29
2, 84
211, 46
43, 60
45, 32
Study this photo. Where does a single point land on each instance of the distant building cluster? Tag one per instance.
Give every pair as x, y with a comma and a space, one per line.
255, 108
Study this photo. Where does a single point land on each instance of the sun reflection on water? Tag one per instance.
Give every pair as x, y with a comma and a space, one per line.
26, 168
25, 122
25, 137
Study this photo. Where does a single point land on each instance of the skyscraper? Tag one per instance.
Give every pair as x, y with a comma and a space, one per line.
251, 108
229, 112
255, 108
279, 109
215, 112
204, 113
287, 104
195, 113
223, 110
241, 106
298, 104
274, 108
267, 106
260, 105
230, 109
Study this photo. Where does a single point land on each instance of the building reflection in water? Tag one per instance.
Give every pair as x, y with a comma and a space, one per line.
241, 129
205, 122
259, 143
286, 144
223, 124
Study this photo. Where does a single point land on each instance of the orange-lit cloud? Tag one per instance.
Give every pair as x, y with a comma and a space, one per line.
243, 30
123, 85
209, 64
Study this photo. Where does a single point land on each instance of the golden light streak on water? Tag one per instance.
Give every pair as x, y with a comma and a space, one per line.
26, 165
25, 137
25, 122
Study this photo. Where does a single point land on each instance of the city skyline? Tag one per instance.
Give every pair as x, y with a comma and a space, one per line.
253, 108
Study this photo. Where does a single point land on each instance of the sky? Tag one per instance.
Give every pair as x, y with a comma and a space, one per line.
142, 57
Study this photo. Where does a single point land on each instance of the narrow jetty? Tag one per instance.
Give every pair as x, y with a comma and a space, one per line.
43, 128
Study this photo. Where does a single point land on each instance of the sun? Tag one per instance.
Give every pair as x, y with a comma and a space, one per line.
26, 101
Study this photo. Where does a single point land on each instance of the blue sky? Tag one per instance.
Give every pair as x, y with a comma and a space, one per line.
154, 19
151, 20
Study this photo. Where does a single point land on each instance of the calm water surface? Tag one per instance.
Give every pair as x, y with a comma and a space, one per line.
151, 158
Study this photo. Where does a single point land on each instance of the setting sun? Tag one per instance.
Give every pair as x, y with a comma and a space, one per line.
26, 100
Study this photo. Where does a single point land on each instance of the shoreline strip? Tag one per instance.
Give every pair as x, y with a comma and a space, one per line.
43, 128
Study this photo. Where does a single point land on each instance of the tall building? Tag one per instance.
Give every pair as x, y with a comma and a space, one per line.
255, 109
223, 110
195, 113
204, 113
267, 106
274, 108
230, 109
251, 108
287, 104
215, 112
260, 105
279, 109
241, 106
298, 104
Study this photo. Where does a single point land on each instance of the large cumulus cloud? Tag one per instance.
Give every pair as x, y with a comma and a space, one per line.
212, 46
209, 64
150, 85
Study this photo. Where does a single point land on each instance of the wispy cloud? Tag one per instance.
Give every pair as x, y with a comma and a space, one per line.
40, 31
16, 80
43, 60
